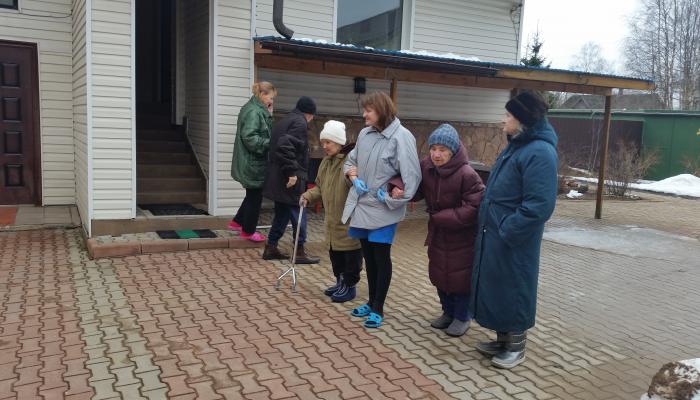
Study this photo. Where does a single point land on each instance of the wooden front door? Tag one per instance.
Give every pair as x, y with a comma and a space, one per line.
19, 127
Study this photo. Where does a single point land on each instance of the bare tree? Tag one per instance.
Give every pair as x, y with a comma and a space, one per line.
590, 59
664, 45
626, 164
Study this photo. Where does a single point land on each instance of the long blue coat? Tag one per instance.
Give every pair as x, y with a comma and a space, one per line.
520, 196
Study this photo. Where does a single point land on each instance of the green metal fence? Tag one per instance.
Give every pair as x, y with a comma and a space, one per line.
675, 135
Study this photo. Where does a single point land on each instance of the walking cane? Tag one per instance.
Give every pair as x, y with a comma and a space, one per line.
294, 256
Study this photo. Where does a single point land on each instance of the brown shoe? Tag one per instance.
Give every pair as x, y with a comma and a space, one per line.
271, 252
303, 258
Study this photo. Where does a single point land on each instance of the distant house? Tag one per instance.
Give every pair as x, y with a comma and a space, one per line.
636, 101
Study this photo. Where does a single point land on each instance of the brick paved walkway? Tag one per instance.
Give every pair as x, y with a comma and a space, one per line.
209, 324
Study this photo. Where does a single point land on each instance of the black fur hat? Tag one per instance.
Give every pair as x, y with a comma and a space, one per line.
306, 105
527, 107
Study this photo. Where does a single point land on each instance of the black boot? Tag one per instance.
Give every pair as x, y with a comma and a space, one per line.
494, 347
303, 258
332, 289
271, 252
514, 352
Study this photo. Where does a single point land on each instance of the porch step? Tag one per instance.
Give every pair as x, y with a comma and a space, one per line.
160, 146
152, 157
175, 185
187, 197
161, 134
167, 171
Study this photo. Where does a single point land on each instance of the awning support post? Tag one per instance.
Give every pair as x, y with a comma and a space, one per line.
603, 158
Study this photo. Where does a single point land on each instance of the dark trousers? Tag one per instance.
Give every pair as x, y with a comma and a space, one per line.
249, 211
347, 264
378, 263
455, 305
284, 213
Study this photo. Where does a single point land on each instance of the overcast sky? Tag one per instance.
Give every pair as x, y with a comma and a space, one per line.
565, 25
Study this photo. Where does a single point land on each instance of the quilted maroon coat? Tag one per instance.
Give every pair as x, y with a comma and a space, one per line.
452, 195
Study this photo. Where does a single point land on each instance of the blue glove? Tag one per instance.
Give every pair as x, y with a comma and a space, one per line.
360, 186
381, 195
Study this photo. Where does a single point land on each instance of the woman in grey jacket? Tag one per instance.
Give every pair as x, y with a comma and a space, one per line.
384, 150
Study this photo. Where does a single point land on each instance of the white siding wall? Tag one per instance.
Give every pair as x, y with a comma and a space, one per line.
481, 28
232, 90
307, 18
80, 107
112, 109
48, 23
334, 95
197, 78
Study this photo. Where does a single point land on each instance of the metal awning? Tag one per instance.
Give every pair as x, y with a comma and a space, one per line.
319, 57
347, 60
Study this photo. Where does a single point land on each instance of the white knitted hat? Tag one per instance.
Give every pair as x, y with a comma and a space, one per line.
334, 131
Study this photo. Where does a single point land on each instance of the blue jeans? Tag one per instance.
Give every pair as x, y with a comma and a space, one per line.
283, 214
455, 305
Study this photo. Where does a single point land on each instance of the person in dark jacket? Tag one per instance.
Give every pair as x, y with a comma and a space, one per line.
249, 161
286, 178
520, 197
452, 192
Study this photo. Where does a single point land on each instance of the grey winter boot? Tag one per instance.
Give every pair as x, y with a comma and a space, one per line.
493, 347
443, 322
513, 354
457, 328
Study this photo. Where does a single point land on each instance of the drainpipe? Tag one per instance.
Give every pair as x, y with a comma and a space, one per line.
277, 15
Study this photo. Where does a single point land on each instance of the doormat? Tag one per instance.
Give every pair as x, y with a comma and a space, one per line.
7, 215
187, 234
172, 209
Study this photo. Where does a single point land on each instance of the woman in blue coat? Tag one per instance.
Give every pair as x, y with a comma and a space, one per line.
520, 196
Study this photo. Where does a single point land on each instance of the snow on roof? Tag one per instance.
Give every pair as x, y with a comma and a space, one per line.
422, 53
473, 61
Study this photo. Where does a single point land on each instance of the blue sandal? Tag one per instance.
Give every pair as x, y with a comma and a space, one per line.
373, 321
361, 311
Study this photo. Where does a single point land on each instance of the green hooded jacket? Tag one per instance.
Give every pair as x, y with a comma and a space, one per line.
252, 144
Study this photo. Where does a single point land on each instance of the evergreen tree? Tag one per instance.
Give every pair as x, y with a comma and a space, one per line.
532, 53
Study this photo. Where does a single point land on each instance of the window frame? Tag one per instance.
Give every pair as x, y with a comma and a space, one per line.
408, 12
13, 6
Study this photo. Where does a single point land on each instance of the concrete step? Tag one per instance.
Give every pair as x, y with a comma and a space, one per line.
162, 146
151, 157
187, 197
167, 171
179, 184
160, 134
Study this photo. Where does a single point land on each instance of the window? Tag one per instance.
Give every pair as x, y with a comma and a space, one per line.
374, 23
9, 4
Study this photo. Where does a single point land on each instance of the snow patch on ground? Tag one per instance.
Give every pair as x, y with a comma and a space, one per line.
573, 195
680, 185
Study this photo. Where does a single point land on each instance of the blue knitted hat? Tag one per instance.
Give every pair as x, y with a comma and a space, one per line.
445, 135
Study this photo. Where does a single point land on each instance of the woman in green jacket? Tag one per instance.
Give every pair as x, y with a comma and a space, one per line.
250, 158
332, 189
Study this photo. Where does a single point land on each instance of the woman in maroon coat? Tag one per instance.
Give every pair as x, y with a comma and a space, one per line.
452, 192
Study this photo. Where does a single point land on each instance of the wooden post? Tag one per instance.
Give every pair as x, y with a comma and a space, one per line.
392, 91
603, 157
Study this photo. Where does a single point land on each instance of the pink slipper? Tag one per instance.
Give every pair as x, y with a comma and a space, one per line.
234, 226
255, 237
